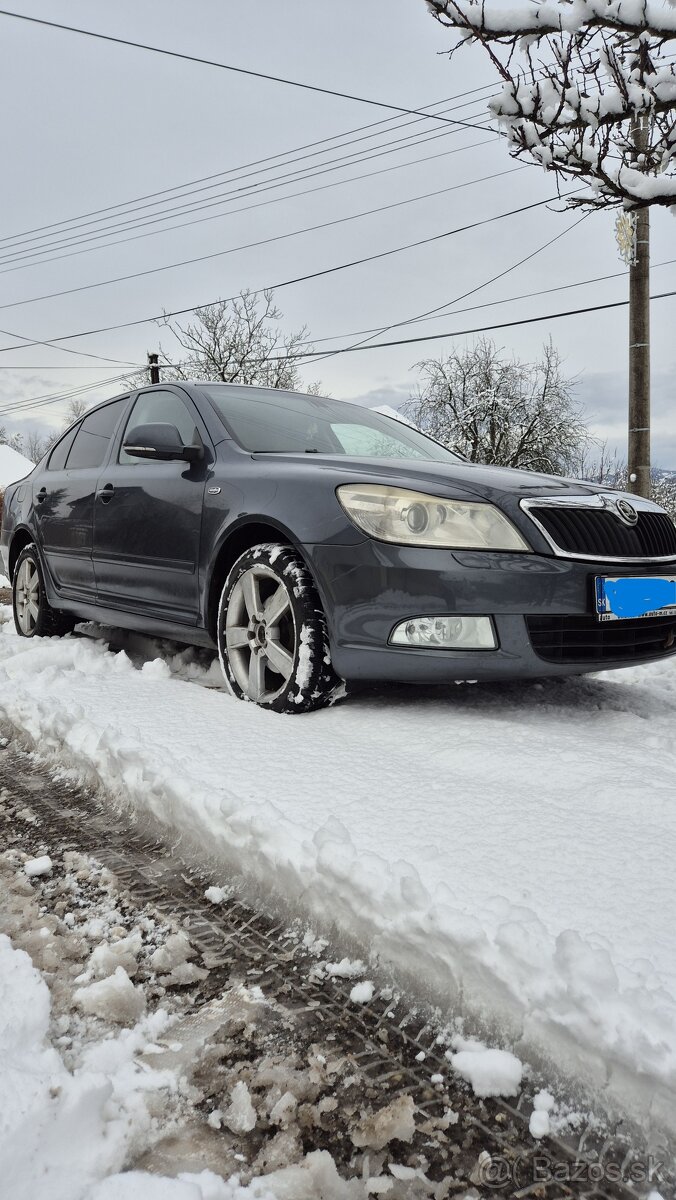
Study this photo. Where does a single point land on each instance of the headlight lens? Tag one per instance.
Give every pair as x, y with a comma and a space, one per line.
408, 518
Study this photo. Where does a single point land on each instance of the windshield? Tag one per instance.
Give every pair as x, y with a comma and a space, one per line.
273, 421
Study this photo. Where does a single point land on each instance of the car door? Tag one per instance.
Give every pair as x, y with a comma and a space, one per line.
63, 499
148, 517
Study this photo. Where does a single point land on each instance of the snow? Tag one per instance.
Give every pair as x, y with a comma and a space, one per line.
362, 993
395, 1122
114, 997
240, 1116
508, 849
38, 866
45, 1111
539, 1123
489, 1072
216, 895
13, 466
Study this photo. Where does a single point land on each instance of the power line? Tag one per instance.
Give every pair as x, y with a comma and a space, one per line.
57, 397
223, 176
25, 256
262, 242
81, 353
261, 204
208, 62
479, 287
433, 337
563, 287
298, 279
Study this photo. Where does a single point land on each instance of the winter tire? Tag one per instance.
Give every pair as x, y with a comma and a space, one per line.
33, 614
272, 638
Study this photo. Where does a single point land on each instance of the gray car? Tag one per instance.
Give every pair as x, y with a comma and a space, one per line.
314, 542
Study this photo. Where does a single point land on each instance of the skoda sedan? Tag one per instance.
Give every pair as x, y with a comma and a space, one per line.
314, 542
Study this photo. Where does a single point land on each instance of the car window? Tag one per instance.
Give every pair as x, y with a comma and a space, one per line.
273, 421
91, 440
158, 408
365, 442
57, 459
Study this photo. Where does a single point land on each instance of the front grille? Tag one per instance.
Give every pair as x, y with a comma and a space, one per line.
600, 534
584, 639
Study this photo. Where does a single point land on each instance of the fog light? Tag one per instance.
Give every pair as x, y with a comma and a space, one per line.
446, 633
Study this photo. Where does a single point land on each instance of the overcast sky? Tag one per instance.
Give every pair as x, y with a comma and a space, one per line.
89, 125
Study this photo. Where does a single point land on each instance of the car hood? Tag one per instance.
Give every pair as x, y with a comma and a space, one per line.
491, 483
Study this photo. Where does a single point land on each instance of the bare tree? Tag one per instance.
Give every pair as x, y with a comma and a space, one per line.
236, 341
599, 464
77, 407
13, 440
495, 409
664, 491
37, 445
580, 80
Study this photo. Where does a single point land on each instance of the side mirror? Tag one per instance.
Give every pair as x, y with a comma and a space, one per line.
161, 442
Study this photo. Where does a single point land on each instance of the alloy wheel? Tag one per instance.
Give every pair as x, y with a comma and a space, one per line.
27, 594
260, 634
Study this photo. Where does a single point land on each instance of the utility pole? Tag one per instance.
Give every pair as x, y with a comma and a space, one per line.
638, 442
154, 367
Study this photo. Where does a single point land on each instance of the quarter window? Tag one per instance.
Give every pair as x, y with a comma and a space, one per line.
57, 459
91, 440
159, 408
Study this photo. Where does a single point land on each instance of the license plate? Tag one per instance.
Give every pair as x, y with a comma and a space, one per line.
638, 596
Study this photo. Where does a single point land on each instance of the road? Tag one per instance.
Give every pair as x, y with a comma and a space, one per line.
383, 1052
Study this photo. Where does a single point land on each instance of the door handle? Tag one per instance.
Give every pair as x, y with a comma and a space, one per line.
41, 495
106, 494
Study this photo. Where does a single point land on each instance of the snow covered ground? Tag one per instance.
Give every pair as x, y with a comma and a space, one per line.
508, 849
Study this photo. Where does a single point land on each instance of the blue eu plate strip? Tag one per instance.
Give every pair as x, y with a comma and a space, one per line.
620, 599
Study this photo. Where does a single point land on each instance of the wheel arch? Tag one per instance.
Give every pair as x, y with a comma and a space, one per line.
238, 538
21, 538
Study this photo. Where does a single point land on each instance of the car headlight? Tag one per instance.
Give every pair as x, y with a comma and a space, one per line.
394, 514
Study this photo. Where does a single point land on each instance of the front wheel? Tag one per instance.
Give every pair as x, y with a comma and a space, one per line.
272, 638
33, 614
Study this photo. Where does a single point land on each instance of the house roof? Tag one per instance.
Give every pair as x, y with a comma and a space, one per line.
13, 466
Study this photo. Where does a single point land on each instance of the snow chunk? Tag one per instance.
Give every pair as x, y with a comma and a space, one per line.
38, 866
284, 1110
216, 895
156, 668
539, 1123
362, 992
108, 956
240, 1116
396, 1122
113, 999
489, 1072
346, 968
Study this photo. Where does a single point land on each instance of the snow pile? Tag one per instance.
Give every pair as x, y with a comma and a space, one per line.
45, 1111
491, 845
13, 466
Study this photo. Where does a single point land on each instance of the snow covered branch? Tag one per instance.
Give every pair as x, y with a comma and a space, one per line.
588, 90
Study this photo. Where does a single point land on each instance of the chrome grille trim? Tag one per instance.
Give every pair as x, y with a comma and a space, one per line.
600, 501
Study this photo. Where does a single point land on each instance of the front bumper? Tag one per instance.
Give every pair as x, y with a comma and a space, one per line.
368, 589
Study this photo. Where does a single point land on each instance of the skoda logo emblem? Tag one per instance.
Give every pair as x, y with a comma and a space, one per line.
626, 512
